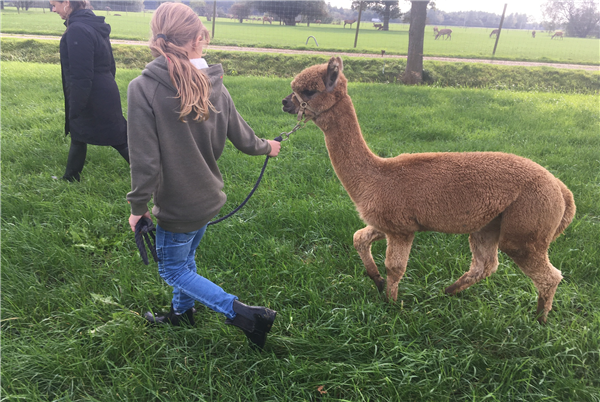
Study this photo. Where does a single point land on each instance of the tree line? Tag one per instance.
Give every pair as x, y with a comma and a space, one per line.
578, 18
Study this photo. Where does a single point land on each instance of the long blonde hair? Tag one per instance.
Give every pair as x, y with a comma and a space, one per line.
175, 25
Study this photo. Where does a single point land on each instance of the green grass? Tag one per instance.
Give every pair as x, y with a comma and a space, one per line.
73, 285
465, 43
363, 69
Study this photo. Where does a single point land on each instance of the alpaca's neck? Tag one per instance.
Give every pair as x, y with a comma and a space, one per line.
350, 156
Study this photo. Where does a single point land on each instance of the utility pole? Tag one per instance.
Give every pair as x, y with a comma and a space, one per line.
499, 30
360, 6
214, 18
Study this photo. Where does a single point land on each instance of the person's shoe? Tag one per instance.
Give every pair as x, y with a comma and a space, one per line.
71, 178
255, 321
171, 318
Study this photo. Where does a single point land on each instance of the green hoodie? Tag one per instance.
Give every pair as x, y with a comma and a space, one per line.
176, 162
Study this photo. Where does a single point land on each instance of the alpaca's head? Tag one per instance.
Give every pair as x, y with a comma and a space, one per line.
320, 86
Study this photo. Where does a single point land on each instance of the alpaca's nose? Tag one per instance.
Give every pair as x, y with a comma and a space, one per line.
288, 105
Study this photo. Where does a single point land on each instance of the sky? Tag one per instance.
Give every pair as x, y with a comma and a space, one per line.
529, 7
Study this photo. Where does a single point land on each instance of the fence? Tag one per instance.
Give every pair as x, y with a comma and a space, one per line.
330, 30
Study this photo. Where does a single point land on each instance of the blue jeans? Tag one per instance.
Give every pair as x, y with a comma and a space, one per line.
177, 266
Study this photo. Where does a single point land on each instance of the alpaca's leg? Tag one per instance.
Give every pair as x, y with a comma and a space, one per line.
396, 258
363, 239
484, 248
534, 262
525, 237
546, 290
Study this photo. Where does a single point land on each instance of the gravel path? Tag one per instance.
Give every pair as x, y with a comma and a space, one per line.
288, 51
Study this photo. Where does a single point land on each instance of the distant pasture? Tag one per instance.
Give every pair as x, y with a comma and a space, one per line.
464, 42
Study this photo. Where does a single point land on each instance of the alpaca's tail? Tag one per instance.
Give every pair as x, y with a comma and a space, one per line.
569, 209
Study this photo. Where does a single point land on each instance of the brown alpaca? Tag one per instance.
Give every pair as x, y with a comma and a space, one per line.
502, 200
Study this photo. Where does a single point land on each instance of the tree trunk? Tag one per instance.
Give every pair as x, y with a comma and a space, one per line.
386, 18
416, 35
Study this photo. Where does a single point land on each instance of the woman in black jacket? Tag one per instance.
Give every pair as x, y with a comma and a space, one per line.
93, 113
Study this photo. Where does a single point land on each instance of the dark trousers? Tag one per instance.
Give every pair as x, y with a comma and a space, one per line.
76, 158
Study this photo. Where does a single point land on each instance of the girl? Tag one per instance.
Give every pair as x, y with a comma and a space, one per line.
93, 112
180, 115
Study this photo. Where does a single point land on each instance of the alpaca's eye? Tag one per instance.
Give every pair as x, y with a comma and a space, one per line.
308, 93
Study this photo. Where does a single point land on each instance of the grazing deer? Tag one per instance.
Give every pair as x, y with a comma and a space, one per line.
378, 26
267, 19
444, 32
533, 34
435, 30
350, 22
494, 32
318, 22
502, 200
558, 34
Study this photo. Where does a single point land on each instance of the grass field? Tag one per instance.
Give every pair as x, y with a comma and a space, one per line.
465, 43
73, 285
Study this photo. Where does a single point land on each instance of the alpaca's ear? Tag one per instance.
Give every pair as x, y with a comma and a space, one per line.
334, 68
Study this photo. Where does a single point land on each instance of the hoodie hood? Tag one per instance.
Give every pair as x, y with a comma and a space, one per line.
88, 17
158, 71
174, 162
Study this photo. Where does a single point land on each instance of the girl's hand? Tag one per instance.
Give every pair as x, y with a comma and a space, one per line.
134, 219
275, 147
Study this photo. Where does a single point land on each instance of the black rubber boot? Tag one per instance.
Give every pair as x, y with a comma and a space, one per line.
75, 161
171, 318
255, 321
123, 150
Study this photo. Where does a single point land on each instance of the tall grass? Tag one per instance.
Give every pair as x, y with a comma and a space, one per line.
73, 286
465, 42
363, 69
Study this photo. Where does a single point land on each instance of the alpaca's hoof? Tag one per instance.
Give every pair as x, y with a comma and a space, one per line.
451, 290
380, 283
542, 317
387, 298
541, 312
